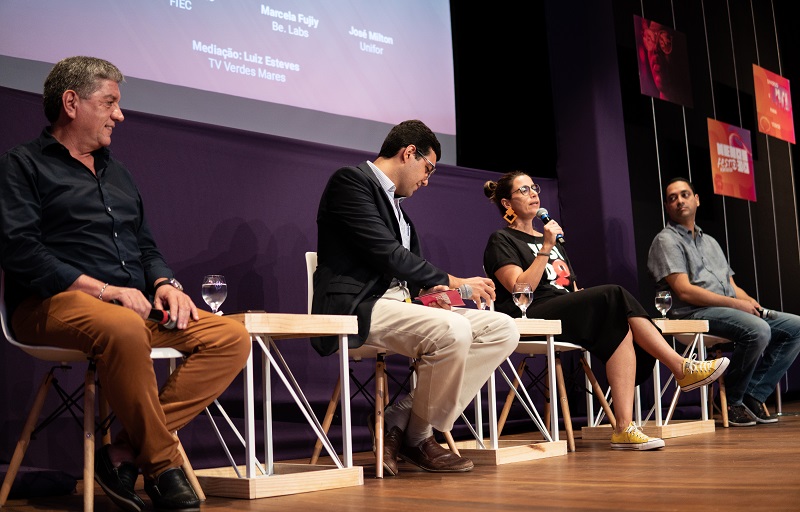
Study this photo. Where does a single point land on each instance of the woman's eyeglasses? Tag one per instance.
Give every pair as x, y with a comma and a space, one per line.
525, 190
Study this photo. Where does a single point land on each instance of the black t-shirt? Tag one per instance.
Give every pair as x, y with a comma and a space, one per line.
511, 247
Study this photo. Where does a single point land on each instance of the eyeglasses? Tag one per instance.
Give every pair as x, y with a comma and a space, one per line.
428, 173
525, 190
662, 37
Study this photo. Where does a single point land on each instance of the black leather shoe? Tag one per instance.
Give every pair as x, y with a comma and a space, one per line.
117, 482
430, 456
392, 441
172, 491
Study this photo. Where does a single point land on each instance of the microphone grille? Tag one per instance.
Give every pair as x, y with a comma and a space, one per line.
541, 212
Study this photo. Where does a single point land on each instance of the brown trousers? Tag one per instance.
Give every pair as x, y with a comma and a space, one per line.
119, 340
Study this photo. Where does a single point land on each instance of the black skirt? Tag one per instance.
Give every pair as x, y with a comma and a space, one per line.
596, 318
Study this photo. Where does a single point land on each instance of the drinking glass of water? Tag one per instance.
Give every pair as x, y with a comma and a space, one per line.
214, 291
663, 302
522, 294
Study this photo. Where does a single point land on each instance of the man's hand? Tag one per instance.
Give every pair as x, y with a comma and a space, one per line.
180, 306
442, 301
482, 289
130, 298
748, 305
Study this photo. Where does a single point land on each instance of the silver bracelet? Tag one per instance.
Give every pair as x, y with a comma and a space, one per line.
102, 290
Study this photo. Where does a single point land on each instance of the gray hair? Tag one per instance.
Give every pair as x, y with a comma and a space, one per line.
80, 74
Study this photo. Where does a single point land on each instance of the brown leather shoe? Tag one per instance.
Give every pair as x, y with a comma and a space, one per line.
430, 456
392, 444
392, 441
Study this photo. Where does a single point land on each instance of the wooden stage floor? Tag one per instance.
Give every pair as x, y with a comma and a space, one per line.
733, 469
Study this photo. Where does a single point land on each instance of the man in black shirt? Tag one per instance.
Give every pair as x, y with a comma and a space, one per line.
82, 271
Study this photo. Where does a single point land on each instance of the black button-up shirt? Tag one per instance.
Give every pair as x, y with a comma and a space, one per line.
58, 221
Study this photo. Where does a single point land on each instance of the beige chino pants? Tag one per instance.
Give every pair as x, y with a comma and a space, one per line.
457, 351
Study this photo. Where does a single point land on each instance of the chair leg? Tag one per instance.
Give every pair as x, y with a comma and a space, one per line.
710, 405
90, 390
102, 405
501, 421
381, 397
326, 422
25, 437
546, 408
451, 443
598, 392
723, 401
723, 396
188, 470
562, 394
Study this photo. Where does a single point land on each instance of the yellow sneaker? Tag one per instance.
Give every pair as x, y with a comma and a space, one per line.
632, 438
699, 373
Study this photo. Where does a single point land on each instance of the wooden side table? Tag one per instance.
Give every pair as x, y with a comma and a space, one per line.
496, 451
664, 428
257, 480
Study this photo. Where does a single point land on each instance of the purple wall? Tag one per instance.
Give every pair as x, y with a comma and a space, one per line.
592, 164
243, 205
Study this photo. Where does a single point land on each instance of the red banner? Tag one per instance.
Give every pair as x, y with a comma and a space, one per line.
731, 160
773, 104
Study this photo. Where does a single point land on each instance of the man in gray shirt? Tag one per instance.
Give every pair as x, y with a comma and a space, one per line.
691, 264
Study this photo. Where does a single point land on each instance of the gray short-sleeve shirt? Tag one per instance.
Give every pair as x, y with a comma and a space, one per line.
675, 251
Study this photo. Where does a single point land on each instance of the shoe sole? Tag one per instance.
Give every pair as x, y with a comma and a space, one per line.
431, 470
757, 419
120, 501
650, 445
711, 378
748, 424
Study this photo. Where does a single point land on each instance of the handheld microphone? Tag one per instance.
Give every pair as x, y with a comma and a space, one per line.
161, 317
545, 218
768, 313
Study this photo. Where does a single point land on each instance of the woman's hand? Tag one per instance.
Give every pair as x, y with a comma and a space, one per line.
551, 230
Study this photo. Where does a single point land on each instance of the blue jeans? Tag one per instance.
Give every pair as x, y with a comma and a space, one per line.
778, 340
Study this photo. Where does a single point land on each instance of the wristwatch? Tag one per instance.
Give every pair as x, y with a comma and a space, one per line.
172, 282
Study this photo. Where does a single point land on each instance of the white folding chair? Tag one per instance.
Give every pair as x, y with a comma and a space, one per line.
63, 357
532, 348
381, 384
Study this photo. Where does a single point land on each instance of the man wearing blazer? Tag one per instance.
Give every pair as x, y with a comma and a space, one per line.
370, 265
